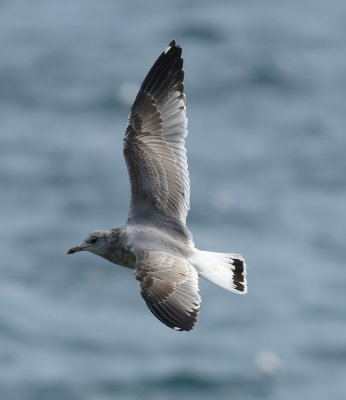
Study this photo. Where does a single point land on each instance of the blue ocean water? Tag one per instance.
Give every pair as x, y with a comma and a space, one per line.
265, 84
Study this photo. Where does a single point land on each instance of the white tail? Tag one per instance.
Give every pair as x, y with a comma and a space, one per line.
227, 270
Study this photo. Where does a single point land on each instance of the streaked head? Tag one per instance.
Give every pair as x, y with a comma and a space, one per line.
95, 242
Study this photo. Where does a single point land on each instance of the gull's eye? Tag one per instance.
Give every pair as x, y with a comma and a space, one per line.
93, 240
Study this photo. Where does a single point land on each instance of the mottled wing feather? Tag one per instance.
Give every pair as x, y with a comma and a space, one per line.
154, 144
169, 286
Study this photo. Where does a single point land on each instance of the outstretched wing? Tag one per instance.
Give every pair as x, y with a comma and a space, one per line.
169, 286
154, 144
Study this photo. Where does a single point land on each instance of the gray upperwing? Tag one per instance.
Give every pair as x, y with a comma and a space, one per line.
169, 286
154, 144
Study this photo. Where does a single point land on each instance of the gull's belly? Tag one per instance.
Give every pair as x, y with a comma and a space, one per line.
156, 239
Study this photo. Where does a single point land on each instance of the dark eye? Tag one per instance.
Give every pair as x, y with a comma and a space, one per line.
93, 240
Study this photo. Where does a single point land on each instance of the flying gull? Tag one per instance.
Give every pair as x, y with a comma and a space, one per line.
155, 241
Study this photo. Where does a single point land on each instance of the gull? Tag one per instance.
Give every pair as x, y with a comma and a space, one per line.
155, 241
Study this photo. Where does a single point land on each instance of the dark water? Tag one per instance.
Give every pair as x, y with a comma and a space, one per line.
265, 85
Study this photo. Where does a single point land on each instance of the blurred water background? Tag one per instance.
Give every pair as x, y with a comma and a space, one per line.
265, 84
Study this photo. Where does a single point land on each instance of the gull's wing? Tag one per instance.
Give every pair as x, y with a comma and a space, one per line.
169, 286
154, 144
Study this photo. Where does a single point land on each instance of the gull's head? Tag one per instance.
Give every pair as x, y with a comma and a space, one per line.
96, 242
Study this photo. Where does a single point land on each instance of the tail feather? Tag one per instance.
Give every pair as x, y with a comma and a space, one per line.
227, 270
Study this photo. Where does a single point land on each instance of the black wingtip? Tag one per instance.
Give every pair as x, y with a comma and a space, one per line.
169, 61
171, 46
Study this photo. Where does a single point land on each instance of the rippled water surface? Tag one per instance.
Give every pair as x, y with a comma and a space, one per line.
265, 84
